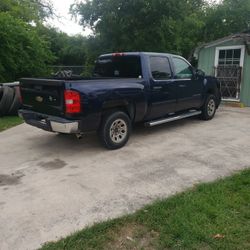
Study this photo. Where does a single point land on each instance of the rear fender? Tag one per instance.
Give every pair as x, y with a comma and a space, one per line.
123, 105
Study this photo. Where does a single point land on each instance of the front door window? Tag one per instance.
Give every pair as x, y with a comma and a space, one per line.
182, 69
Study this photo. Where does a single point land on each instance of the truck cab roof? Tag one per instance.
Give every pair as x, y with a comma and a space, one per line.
137, 54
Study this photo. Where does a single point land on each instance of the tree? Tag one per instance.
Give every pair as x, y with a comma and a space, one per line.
231, 16
151, 25
28, 10
22, 51
68, 50
176, 26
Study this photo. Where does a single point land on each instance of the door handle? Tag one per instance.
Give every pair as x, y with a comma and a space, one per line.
157, 88
182, 86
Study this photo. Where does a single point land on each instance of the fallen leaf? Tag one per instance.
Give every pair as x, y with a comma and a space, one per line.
219, 236
131, 239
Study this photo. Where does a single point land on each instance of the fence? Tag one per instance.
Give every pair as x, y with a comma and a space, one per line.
76, 70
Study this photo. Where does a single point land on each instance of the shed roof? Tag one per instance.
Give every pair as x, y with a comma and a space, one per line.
244, 36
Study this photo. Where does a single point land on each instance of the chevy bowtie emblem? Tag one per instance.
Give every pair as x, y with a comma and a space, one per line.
39, 99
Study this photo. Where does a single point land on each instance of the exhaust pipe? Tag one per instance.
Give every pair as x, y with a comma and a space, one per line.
79, 136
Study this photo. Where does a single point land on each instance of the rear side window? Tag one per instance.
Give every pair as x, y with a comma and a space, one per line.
118, 66
182, 69
160, 68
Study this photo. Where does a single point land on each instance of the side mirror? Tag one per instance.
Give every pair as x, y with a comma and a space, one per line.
199, 73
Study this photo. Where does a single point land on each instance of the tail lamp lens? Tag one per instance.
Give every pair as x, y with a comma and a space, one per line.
72, 102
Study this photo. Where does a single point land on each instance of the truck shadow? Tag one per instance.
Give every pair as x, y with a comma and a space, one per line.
90, 145
50, 144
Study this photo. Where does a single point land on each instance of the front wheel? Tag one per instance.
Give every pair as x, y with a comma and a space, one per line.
209, 108
115, 130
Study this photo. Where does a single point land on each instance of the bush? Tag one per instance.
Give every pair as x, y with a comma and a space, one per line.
22, 51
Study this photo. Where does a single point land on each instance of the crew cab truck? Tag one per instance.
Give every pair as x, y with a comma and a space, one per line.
126, 88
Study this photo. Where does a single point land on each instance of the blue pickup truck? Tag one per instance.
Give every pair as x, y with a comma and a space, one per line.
126, 88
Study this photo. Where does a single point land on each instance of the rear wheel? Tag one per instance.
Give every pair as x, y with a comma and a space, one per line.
209, 108
115, 130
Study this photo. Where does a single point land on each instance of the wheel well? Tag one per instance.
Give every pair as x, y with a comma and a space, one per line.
211, 91
129, 109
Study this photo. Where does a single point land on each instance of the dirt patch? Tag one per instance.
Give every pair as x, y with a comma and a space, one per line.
8, 180
132, 236
51, 165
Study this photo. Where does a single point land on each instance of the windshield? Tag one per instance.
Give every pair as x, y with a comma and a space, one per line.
118, 66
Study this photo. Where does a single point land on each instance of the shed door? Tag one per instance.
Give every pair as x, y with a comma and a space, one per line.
228, 69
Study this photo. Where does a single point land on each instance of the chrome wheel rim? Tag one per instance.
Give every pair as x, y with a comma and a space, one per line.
118, 131
211, 107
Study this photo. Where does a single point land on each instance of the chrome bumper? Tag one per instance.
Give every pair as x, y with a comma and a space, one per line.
50, 123
66, 128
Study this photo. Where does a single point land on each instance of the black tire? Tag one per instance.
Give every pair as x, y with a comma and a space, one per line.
16, 104
6, 100
1, 93
209, 108
115, 130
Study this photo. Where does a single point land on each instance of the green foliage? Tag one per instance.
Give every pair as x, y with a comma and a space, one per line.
176, 26
88, 66
231, 16
68, 50
149, 25
22, 51
27, 10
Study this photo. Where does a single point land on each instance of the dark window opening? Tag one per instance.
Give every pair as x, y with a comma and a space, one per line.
160, 68
118, 66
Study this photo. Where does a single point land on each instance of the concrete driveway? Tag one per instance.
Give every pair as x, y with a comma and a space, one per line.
52, 185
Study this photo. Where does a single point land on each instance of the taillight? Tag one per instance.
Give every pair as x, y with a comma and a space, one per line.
118, 54
72, 101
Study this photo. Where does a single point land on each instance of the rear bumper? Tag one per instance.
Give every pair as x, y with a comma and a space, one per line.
50, 123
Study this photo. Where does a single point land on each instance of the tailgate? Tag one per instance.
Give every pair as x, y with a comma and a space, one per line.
43, 95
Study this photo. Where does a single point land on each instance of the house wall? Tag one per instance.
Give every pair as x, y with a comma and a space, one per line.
206, 63
206, 60
245, 90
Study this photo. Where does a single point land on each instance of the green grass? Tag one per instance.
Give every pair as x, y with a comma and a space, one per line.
9, 121
190, 220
